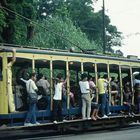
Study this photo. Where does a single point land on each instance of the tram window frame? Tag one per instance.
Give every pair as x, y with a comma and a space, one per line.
1, 68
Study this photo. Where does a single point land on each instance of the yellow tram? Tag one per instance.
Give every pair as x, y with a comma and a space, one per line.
69, 63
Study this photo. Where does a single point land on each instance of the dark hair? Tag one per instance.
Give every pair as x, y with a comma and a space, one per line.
137, 77
59, 76
32, 75
89, 77
40, 76
112, 78
105, 76
84, 75
99, 75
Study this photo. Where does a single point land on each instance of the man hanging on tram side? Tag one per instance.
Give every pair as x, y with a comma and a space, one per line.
11, 102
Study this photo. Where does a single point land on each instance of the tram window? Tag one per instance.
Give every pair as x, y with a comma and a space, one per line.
0, 69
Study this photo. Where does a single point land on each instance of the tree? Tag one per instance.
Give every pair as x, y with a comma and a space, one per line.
2, 22
13, 27
82, 14
17, 29
60, 34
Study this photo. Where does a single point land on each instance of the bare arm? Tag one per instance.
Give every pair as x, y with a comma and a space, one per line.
108, 81
66, 80
14, 56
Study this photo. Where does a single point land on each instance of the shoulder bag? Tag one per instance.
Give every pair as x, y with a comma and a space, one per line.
33, 97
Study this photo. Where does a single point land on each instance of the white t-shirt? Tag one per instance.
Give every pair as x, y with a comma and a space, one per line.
84, 86
136, 81
58, 91
31, 86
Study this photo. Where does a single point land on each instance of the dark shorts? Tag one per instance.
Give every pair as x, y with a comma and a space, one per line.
94, 105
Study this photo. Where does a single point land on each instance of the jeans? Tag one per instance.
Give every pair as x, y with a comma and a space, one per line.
31, 114
103, 100
57, 110
86, 105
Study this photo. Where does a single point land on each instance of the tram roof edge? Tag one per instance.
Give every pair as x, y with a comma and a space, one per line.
37, 50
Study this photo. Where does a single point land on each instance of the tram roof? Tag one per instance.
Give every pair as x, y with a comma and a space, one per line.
35, 50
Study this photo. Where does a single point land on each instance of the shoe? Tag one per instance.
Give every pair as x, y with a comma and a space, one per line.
105, 116
89, 118
84, 118
37, 123
55, 122
109, 113
28, 124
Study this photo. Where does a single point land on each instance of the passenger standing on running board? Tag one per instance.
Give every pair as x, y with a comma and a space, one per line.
31, 114
94, 105
57, 99
11, 102
86, 98
103, 95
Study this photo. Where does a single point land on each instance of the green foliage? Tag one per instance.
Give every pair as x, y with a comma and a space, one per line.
2, 22
15, 29
74, 20
83, 16
67, 32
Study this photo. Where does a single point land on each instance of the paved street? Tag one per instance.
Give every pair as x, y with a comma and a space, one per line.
124, 134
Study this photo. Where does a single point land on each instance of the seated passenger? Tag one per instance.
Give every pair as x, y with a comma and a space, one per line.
137, 97
22, 75
17, 95
42, 82
75, 90
127, 97
114, 91
72, 99
43, 90
136, 80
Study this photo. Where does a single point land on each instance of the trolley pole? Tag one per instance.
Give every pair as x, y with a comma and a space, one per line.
104, 34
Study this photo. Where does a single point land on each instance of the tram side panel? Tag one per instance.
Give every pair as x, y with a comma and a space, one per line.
3, 85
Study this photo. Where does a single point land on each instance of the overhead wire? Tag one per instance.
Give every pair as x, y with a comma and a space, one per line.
35, 23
